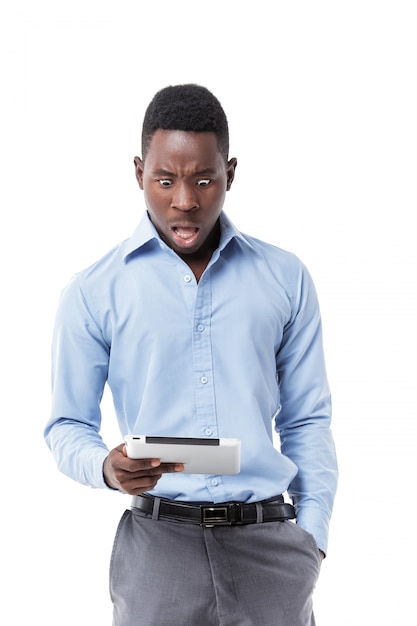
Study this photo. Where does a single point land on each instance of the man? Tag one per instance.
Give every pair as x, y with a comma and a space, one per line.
200, 331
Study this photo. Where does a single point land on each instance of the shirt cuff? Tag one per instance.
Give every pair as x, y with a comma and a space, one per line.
316, 522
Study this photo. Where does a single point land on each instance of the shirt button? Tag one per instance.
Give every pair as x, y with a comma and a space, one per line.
214, 482
187, 278
204, 380
200, 327
208, 432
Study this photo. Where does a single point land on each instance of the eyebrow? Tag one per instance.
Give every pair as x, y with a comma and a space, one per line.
206, 172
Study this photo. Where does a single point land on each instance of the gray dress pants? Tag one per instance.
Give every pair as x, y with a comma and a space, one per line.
181, 574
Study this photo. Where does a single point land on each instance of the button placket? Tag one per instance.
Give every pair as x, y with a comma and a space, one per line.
202, 360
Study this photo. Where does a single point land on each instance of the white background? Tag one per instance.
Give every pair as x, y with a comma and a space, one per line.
321, 99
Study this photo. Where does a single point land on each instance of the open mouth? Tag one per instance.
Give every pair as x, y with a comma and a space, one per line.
185, 235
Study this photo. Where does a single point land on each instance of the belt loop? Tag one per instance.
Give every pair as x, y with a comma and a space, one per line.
155, 510
259, 513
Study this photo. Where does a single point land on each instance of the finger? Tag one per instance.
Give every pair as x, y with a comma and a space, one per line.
135, 486
142, 465
172, 467
141, 473
135, 482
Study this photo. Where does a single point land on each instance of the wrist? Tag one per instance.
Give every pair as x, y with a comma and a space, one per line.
106, 479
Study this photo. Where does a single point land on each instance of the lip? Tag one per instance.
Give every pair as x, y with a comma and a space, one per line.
185, 236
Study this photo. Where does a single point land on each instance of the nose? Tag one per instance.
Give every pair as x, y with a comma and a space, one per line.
184, 197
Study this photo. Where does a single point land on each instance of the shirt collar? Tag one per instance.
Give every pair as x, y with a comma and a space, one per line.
146, 233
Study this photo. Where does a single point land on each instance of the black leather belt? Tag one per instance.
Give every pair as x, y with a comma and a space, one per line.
210, 514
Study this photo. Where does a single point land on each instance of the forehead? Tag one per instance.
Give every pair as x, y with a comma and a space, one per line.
180, 146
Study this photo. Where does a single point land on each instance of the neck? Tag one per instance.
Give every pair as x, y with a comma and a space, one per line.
199, 260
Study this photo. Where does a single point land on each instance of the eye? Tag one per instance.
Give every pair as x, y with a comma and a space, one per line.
165, 182
204, 182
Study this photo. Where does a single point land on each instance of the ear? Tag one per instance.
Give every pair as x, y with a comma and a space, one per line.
231, 168
139, 171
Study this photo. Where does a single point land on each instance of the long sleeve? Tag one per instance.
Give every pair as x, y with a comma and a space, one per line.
304, 421
79, 371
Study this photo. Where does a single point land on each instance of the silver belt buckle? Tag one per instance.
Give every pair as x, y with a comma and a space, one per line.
220, 515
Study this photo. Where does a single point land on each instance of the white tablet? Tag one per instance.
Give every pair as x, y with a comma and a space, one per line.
199, 455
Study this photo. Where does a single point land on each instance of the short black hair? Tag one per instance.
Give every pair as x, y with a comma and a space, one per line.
187, 107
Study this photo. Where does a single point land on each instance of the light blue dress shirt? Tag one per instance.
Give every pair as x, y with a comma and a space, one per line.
235, 355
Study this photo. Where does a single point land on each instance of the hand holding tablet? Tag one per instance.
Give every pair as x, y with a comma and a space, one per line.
199, 455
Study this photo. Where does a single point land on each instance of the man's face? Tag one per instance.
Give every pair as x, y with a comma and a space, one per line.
185, 178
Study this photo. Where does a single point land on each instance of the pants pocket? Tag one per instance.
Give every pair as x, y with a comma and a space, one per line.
114, 553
